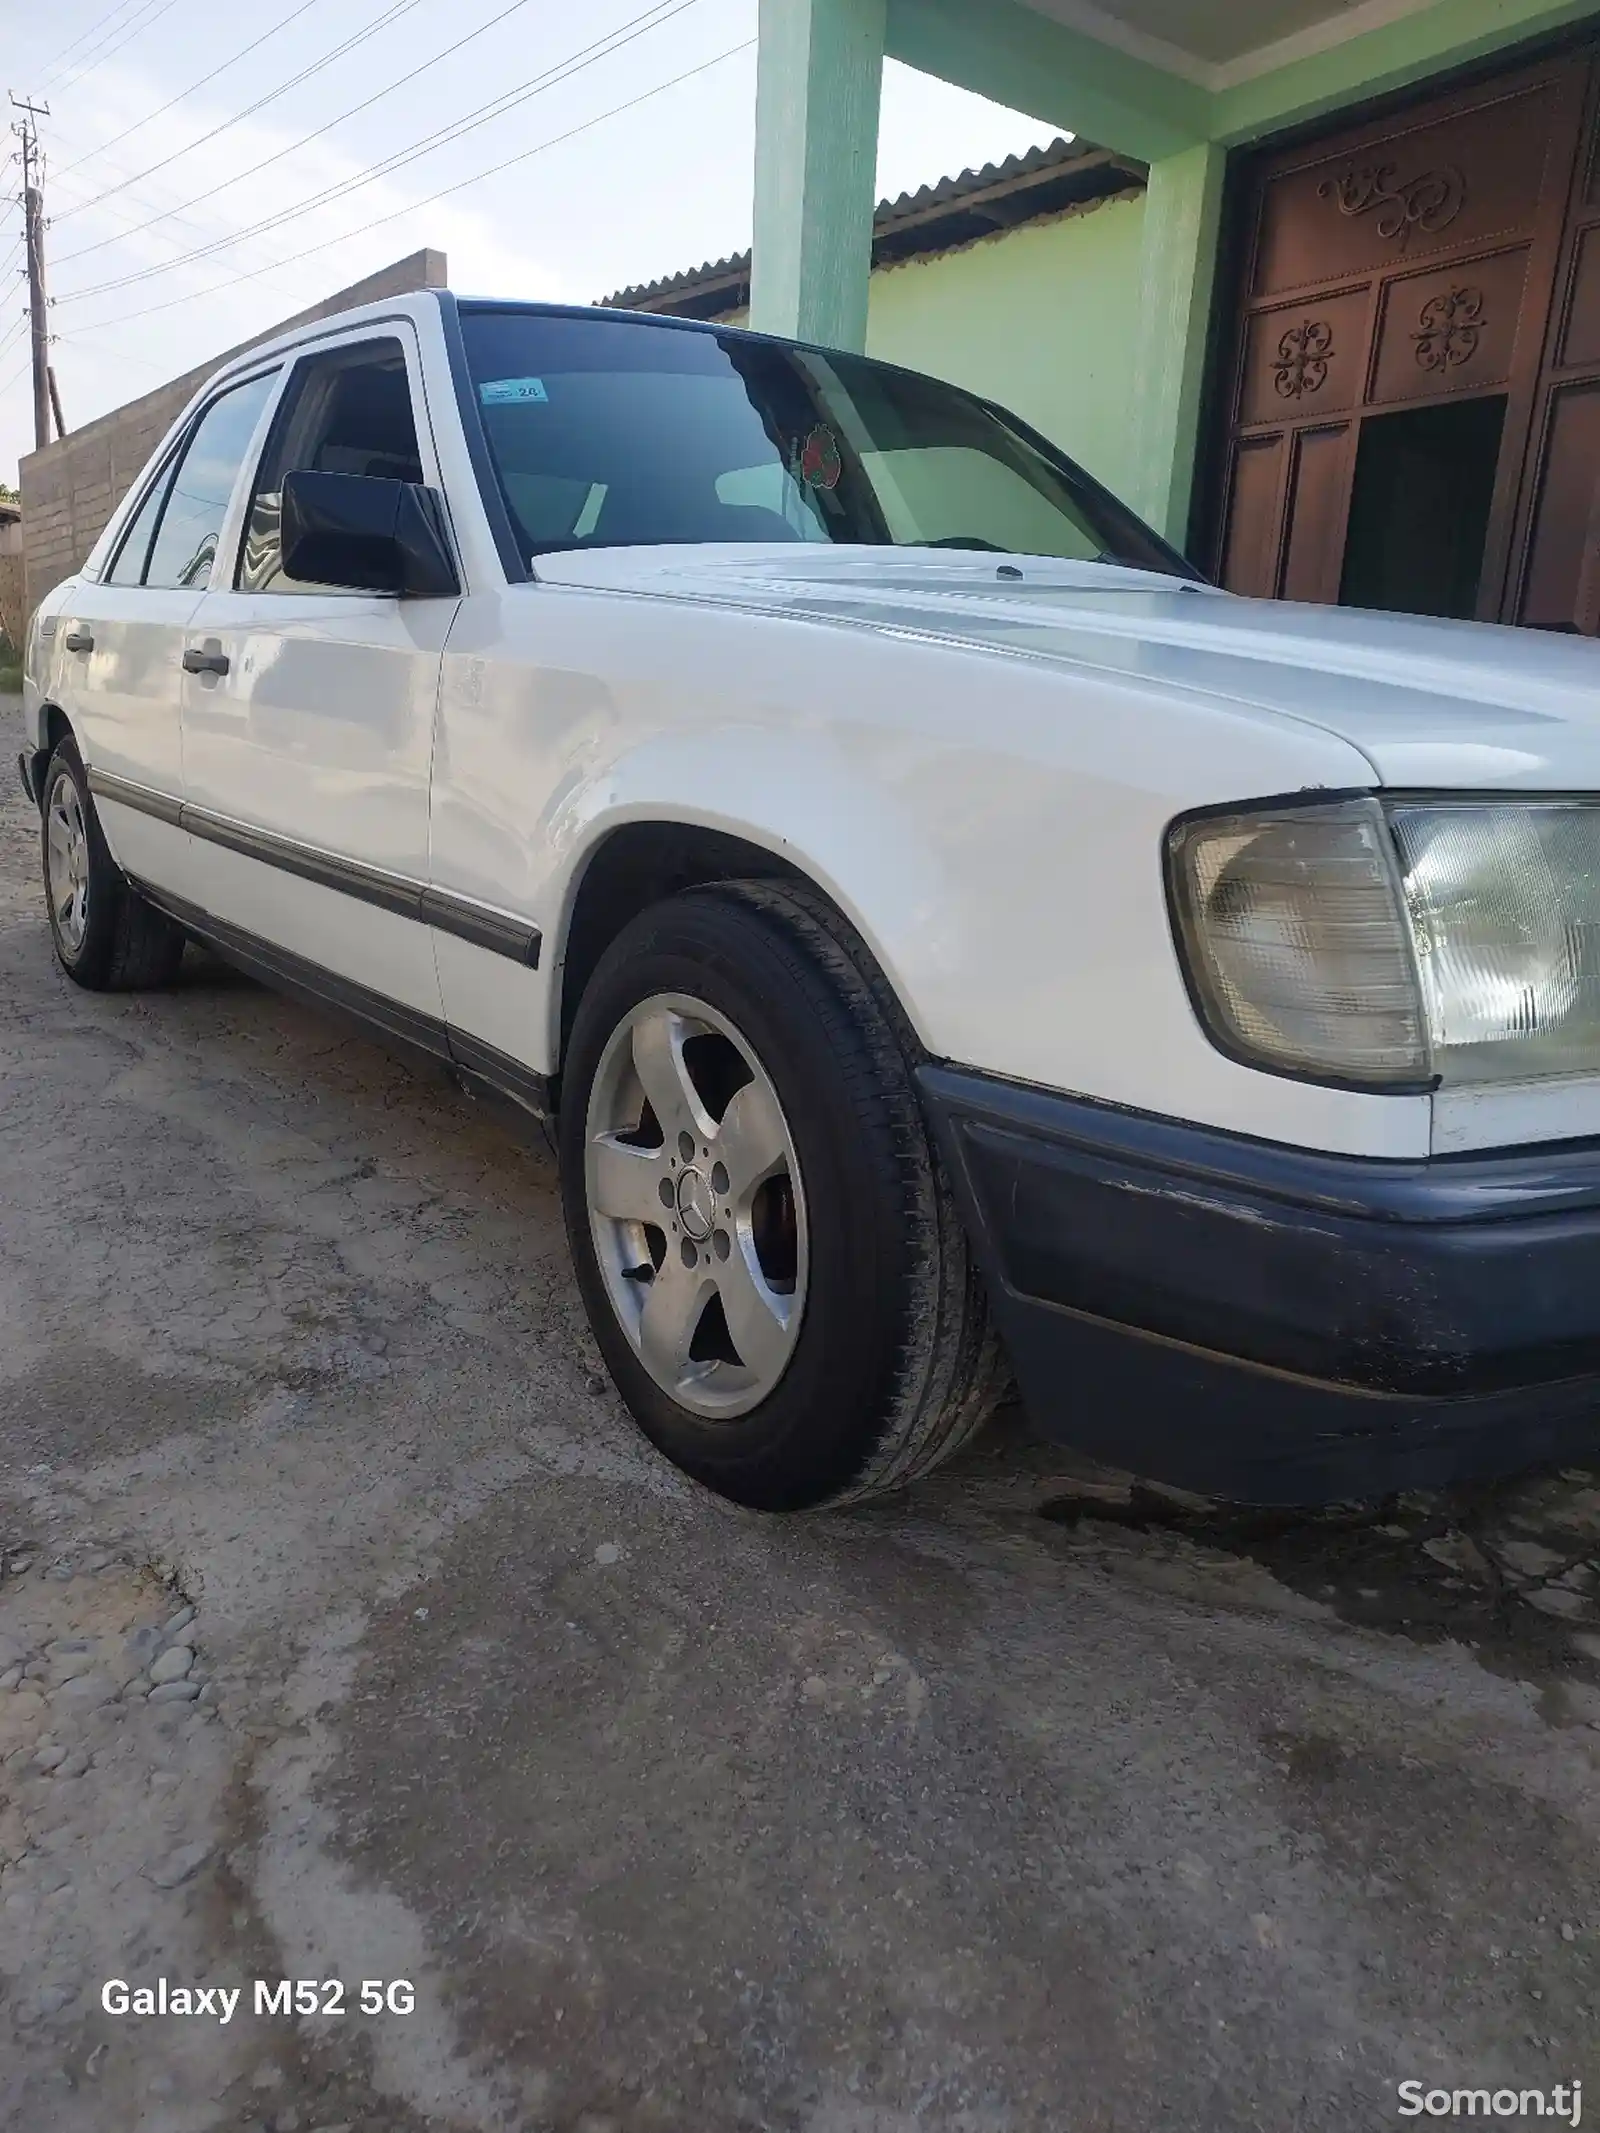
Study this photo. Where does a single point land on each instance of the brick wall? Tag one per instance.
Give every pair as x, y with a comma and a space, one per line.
71, 488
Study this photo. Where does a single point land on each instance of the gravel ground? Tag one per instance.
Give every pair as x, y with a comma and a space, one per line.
348, 1632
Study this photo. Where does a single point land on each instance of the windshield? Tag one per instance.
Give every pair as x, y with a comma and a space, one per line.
609, 432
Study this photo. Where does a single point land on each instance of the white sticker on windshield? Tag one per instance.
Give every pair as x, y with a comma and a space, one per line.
506, 392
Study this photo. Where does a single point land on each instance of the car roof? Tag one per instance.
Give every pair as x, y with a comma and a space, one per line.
412, 302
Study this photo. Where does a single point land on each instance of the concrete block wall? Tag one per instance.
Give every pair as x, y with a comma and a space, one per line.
70, 488
11, 583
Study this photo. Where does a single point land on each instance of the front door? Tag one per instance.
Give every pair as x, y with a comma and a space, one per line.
119, 645
308, 711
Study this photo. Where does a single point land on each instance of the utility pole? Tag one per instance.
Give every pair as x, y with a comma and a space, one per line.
45, 397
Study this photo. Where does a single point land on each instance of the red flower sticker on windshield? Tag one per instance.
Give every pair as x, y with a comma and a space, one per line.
820, 460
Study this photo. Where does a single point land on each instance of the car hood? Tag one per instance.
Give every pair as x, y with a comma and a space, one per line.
1427, 702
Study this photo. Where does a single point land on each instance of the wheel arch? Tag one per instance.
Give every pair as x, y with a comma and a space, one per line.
635, 863
49, 726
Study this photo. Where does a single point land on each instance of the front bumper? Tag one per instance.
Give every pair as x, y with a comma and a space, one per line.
1272, 1324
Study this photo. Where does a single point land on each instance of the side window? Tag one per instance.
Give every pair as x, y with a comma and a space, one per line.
346, 412
128, 569
197, 501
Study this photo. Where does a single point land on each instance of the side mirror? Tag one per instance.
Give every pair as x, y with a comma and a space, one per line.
367, 534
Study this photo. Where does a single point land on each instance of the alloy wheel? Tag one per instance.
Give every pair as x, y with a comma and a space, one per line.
696, 1205
67, 863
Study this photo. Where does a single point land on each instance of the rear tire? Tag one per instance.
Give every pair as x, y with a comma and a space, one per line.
107, 937
872, 1357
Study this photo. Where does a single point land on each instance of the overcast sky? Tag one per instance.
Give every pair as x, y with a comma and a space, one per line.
624, 198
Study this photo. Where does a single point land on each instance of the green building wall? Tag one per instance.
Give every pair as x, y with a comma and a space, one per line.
1040, 318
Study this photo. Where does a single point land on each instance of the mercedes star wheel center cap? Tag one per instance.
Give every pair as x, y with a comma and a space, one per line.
696, 1205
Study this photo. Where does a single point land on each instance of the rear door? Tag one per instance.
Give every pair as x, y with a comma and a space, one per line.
119, 643
308, 711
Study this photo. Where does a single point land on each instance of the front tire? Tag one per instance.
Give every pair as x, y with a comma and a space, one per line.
107, 937
768, 1252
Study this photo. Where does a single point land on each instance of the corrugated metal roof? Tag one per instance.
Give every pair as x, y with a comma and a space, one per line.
1055, 155
936, 218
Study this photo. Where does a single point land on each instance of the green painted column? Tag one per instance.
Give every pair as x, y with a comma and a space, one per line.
1182, 224
819, 79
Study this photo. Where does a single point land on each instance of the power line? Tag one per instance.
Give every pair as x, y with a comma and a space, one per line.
73, 340
563, 70
381, 22
278, 154
94, 29
135, 29
15, 378
161, 109
137, 205
523, 155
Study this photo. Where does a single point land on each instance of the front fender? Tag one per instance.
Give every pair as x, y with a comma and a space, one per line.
796, 796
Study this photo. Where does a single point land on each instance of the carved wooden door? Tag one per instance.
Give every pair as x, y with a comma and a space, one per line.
1398, 266
1554, 579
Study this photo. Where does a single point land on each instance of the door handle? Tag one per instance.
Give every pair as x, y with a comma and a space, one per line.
78, 641
208, 661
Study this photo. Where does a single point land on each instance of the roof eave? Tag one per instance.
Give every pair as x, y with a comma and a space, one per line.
938, 218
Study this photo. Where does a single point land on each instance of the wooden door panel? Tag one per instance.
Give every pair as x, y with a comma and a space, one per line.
1255, 510
1561, 589
1580, 339
1409, 192
1552, 576
1449, 332
1305, 359
1319, 506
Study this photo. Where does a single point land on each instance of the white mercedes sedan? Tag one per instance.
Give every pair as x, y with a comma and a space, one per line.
952, 940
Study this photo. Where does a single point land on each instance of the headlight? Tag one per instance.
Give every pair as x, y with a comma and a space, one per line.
1393, 944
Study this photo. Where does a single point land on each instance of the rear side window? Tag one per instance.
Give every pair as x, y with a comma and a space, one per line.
346, 412
196, 501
